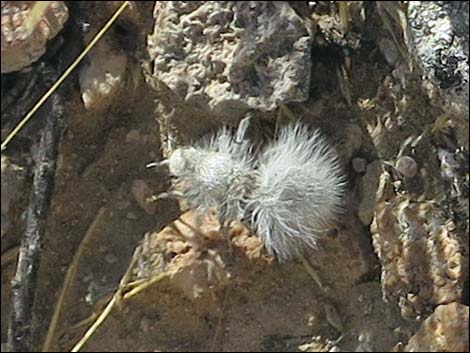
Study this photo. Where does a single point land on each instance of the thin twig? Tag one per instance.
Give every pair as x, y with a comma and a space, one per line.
96, 324
69, 277
85, 322
220, 320
112, 303
20, 330
140, 288
66, 73
117, 299
37, 12
312, 273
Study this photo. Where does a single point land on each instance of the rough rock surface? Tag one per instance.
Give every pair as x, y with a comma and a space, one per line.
446, 330
422, 261
405, 156
223, 58
24, 36
195, 251
438, 33
420, 225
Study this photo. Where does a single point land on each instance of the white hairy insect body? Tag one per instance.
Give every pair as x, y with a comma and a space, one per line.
299, 191
290, 193
215, 174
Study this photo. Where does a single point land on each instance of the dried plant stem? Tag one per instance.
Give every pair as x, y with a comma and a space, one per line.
21, 330
312, 273
145, 285
62, 78
115, 300
220, 320
96, 324
69, 277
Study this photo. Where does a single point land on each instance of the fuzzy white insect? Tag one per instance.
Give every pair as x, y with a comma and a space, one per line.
299, 192
215, 174
290, 193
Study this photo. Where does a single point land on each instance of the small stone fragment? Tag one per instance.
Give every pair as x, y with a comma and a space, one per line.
370, 183
407, 166
104, 76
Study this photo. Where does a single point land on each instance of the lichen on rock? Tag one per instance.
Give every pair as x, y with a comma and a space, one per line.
438, 39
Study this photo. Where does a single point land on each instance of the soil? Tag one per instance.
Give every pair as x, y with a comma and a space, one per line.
278, 308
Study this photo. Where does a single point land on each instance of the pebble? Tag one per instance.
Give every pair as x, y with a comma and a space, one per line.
407, 166
359, 165
110, 258
132, 216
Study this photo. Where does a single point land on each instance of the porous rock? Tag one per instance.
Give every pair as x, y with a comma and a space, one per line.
446, 330
422, 259
224, 57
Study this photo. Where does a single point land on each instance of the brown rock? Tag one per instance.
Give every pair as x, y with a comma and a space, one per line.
196, 252
26, 28
422, 261
446, 330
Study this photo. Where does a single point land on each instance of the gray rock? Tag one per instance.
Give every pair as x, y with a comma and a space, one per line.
407, 166
438, 39
231, 56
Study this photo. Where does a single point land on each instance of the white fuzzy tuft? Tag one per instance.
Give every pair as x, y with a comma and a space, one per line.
215, 174
291, 193
299, 192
